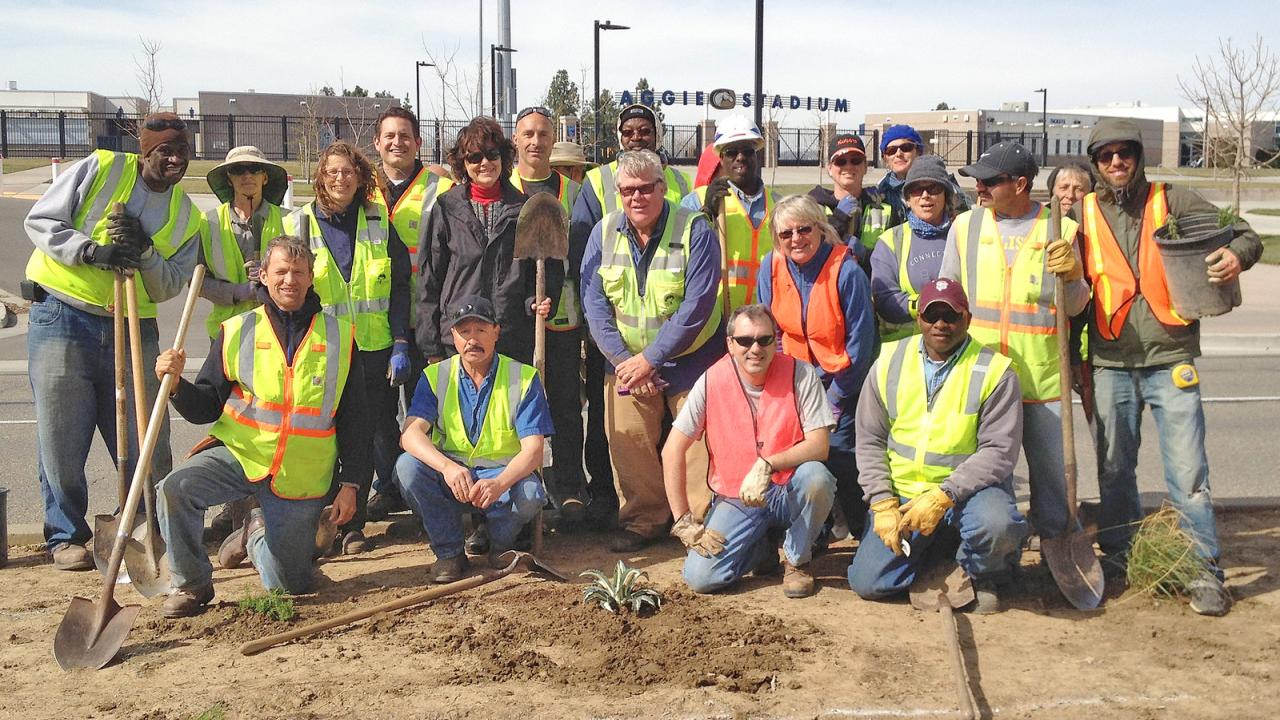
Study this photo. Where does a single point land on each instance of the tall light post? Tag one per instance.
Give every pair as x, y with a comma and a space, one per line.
493, 74
1044, 126
595, 104
417, 89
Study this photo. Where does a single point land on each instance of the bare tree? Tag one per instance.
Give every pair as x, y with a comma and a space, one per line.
147, 73
1239, 87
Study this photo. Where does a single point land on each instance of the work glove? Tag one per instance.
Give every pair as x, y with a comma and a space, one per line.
756, 483
1063, 261
697, 537
716, 191
885, 516
922, 513
399, 367
113, 257
125, 230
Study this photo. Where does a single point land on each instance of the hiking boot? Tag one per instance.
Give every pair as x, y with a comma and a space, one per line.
1209, 596
71, 556
796, 582
478, 541
326, 532
573, 510
447, 570
626, 541
381, 505
355, 542
769, 563
235, 548
986, 598
221, 524
185, 602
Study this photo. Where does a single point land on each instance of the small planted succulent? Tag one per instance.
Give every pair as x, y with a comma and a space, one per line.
626, 589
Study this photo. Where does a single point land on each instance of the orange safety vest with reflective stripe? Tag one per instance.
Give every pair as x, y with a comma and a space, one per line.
1114, 285
745, 245
816, 333
775, 422
278, 421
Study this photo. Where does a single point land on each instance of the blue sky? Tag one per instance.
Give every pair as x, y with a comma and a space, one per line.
880, 56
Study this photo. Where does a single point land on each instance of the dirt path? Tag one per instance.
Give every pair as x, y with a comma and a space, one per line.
526, 648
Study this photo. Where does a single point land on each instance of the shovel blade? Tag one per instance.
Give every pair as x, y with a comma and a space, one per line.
78, 644
542, 230
150, 578
104, 530
1075, 568
517, 558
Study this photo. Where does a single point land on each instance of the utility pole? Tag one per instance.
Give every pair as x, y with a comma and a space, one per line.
1044, 126
493, 74
595, 104
759, 84
417, 88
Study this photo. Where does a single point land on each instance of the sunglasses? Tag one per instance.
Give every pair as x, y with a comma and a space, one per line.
929, 189
733, 151
1126, 154
802, 231
243, 169
641, 190
479, 156
746, 341
993, 182
164, 124
536, 109
905, 147
849, 159
642, 131
933, 314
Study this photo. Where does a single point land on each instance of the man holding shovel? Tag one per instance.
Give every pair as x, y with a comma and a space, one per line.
276, 386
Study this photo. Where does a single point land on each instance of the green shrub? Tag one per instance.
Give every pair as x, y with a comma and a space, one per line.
1162, 559
273, 604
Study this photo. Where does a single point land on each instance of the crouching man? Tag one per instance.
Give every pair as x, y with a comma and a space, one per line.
939, 426
767, 425
473, 441
275, 387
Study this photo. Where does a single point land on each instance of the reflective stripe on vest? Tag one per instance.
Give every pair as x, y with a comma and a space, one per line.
745, 245
568, 310
640, 317
116, 177
225, 261
814, 332
1114, 286
498, 441
364, 301
900, 237
604, 181
874, 220
775, 422
279, 419
929, 440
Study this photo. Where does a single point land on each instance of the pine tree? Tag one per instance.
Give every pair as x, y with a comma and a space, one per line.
561, 97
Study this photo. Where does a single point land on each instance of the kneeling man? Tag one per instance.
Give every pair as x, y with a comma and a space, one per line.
767, 425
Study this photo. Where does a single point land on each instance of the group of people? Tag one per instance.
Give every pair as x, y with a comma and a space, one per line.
761, 374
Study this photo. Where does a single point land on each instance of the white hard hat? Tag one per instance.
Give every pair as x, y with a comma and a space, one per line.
738, 128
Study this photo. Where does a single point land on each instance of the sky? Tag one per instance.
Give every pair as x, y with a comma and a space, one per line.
886, 57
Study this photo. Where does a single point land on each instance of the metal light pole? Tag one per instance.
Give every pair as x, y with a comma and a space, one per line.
417, 88
595, 104
759, 83
1044, 126
493, 74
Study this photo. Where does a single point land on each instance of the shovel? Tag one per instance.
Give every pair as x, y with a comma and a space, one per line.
944, 587
105, 525
1070, 556
91, 633
518, 559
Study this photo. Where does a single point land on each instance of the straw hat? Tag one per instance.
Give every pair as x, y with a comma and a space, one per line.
277, 178
569, 153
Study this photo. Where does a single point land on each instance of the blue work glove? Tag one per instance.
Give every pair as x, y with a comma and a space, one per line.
399, 368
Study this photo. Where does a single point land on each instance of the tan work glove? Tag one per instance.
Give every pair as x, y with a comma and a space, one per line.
884, 522
697, 537
922, 513
1063, 261
755, 483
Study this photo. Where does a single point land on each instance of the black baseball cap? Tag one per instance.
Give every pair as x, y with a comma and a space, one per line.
473, 306
844, 143
1003, 158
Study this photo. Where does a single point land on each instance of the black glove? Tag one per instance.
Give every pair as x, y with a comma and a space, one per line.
125, 230
113, 257
716, 191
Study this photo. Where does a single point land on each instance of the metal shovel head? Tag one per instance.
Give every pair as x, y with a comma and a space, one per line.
1075, 568
149, 577
78, 644
542, 231
941, 582
518, 558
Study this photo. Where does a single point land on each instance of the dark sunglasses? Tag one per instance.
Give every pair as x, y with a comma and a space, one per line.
538, 109
243, 169
934, 313
998, 180
904, 147
476, 157
733, 151
854, 160
642, 131
926, 189
164, 124
802, 231
1126, 154
746, 341
642, 190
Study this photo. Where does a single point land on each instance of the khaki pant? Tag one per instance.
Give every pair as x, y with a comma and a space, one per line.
634, 426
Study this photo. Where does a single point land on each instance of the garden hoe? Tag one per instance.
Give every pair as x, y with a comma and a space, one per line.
943, 587
1070, 556
91, 633
518, 560
105, 525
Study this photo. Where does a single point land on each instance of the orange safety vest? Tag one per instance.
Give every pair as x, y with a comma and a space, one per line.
776, 422
815, 334
1114, 285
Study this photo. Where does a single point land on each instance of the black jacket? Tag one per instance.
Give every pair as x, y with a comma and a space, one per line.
463, 259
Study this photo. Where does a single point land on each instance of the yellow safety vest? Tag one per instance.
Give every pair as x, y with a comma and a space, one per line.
365, 301
899, 239
929, 440
409, 218
498, 442
604, 180
639, 318
745, 245
874, 221
1013, 305
114, 182
279, 419
226, 262
568, 311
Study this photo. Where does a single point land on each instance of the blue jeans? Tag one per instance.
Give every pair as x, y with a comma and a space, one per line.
70, 362
1121, 395
426, 493
282, 551
1042, 444
844, 466
801, 506
991, 535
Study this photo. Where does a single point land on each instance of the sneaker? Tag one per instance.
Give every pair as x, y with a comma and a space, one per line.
986, 598
235, 548
355, 542
1209, 596
381, 505
478, 541
796, 583
185, 602
71, 556
447, 570
625, 541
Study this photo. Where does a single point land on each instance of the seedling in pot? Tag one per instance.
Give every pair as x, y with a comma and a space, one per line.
1227, 217
627, 589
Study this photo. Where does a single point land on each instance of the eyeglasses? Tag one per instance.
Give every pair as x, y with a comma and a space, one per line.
155, 125
536, 109
926, 189
642, 131
1126, 153
934, 313
341, 172
848, 159
802, 231
993, 182
732, 151
746, 341
641, 190
478, 156
905, 147
243, 169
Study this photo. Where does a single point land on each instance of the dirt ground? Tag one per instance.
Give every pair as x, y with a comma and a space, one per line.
525, 648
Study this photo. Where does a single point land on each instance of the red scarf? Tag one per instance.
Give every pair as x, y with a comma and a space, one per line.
486, 195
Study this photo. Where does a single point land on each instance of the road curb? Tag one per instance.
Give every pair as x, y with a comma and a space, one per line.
1240, 344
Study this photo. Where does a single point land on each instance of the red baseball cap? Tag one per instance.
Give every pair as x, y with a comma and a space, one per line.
946, 291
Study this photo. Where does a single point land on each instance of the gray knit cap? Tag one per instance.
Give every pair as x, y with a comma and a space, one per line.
928, 168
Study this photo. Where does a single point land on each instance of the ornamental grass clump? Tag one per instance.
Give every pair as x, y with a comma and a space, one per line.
1163, 560
626, 589
273, 604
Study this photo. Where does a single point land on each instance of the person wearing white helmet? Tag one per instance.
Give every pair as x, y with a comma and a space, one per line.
747, 206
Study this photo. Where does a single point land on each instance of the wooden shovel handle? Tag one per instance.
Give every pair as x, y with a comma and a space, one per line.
967, 709
122, 402
539, 322
1063, 326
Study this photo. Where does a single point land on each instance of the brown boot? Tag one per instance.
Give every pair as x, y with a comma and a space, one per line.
796, 583
185, 602
72, 556
235, 548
